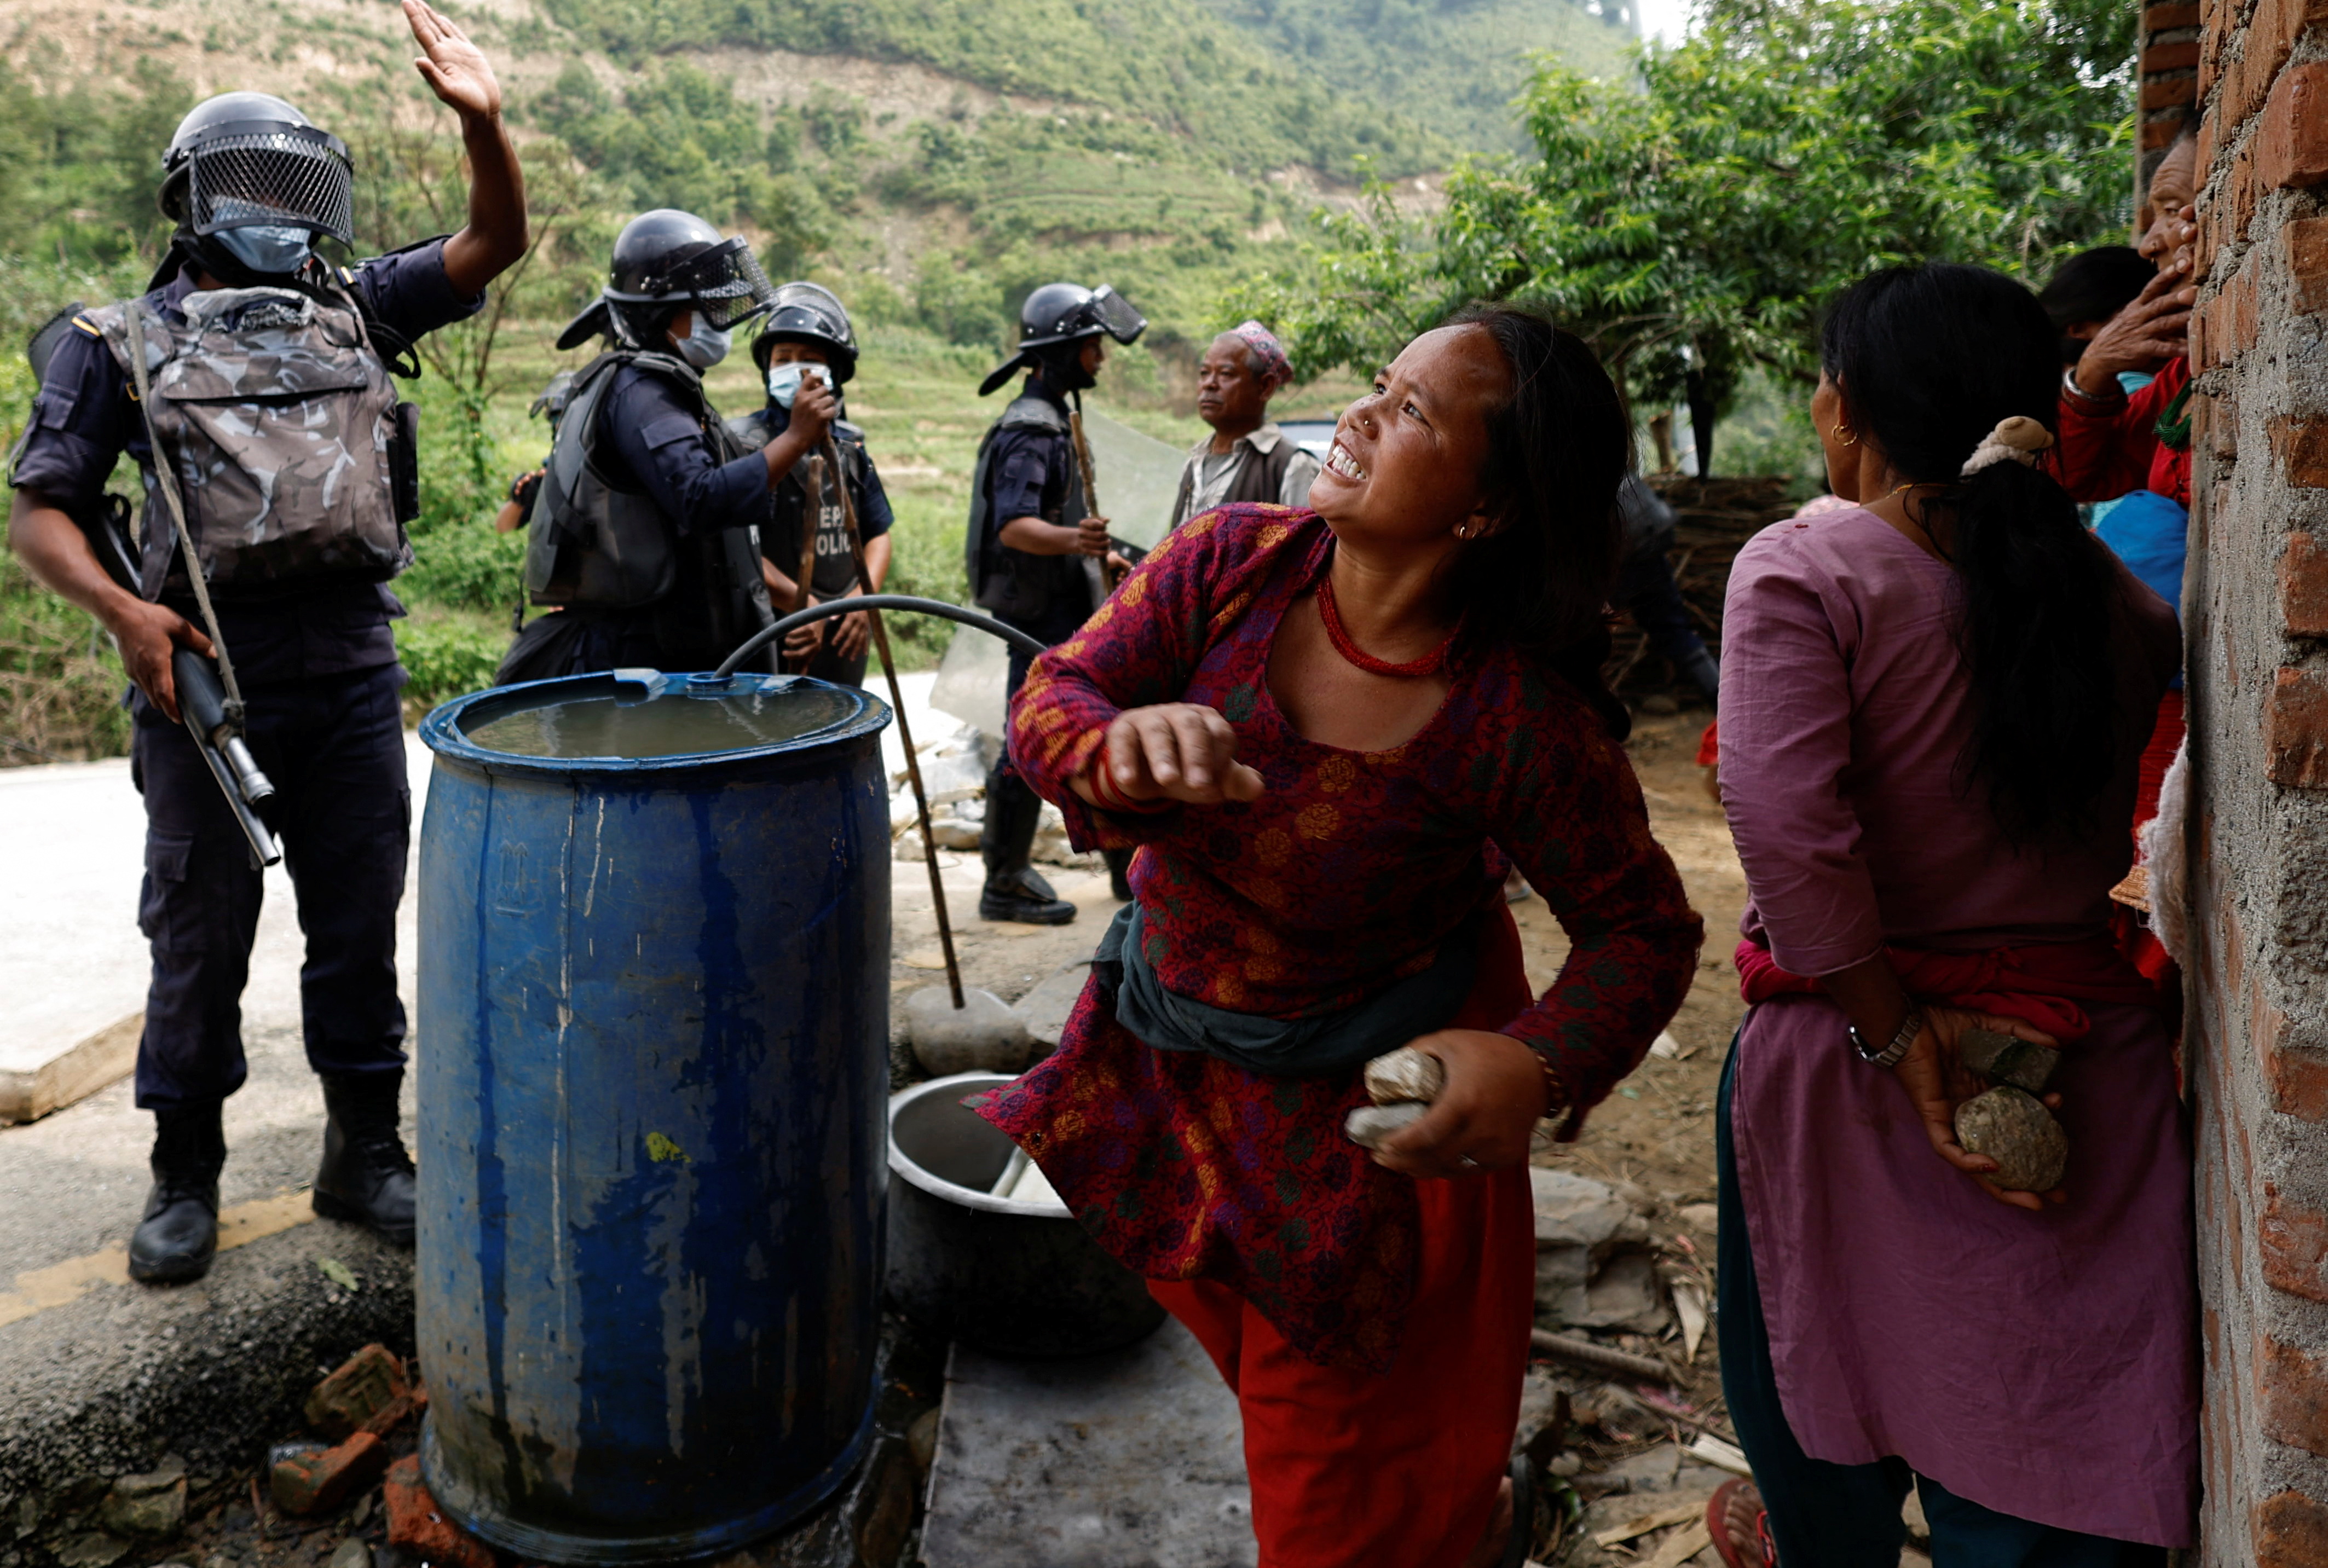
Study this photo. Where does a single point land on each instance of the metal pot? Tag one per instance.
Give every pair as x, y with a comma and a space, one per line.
1010, 1277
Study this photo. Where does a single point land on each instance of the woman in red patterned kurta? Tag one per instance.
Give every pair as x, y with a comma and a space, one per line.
1330, 732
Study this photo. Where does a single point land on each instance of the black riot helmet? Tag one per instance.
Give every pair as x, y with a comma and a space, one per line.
249, 160
667, 261
1053, 325
805, 313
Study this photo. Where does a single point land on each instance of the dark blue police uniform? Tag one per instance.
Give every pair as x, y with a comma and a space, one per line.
318, 671
1032, 473
650, 440
836, 566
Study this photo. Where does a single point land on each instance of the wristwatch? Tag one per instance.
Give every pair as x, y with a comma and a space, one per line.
1891, 1055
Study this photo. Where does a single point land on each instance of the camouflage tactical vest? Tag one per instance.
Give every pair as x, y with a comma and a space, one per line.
291, 450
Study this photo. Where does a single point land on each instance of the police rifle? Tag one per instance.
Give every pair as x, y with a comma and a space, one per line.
210, 703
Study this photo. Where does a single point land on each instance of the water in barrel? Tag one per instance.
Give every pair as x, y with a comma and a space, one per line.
652, 1064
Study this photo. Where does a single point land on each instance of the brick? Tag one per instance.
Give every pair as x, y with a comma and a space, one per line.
2303, 586
367, 1385
316, 1483
2297, 1079
2155, 135
2169, 91
2169, 57
2292, 141
2293, 1240
2300, 446
2161, 18
2243, 190
2290, 1531
2292, 1395
416, 1523
2306, 243
2217, 423
2295, 729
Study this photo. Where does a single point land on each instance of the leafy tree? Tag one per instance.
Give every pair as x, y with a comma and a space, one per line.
1691, 224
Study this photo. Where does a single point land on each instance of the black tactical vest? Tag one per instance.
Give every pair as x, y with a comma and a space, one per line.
292, 453
836, 566
1013, 583
592, 543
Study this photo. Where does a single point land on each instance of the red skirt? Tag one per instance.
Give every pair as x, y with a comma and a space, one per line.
1356, 1469
1367, 1470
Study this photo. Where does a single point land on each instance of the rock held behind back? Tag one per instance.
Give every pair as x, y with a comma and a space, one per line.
2012, 1127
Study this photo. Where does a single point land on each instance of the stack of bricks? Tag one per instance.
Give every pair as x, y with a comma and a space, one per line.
2256, 609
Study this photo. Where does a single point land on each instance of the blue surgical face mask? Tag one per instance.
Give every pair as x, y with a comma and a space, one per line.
785, 380
704, 346
273, 248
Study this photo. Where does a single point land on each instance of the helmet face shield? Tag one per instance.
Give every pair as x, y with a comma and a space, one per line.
810, 313
723, 283
1112, 314
271, 177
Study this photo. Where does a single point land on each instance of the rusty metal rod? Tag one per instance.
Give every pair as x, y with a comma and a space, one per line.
905, 732
1599, 1358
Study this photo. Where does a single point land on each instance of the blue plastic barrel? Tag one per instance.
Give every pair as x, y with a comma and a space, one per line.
653, 1045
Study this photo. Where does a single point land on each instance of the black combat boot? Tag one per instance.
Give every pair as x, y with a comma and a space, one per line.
1119, 873
1014, 891
366, 1177
179, 1235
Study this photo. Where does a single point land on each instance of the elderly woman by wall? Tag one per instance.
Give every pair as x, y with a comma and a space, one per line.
1330, 732
1933, 703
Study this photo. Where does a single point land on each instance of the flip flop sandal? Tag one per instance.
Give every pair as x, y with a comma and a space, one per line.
1717, 1524
1522, 1541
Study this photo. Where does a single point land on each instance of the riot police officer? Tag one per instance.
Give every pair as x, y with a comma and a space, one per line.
1031, 535
274, 414
805, 338
644, 529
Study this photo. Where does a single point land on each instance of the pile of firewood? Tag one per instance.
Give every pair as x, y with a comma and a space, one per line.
1718, 516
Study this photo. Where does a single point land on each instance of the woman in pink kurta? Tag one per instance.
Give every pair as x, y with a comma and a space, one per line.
1932, 707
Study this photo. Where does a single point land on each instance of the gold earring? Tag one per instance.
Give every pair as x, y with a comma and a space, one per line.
1845, 434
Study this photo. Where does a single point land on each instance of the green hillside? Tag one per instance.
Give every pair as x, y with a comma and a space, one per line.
1452, 65
930, 160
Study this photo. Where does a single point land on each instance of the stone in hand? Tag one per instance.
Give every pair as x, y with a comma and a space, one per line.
2005, 1059
2011, 1127
1404, 1074
1369, 1125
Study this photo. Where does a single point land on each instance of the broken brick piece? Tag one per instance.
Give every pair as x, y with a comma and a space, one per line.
404, 1407
366, 1384
315, 1483
417, 1525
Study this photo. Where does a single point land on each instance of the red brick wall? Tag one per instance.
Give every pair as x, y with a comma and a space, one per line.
2255, 608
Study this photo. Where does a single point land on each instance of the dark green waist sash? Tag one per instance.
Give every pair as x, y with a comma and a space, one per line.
1302, 1047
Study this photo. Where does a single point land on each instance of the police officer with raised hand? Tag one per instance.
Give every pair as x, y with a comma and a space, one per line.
1029, 537
273, 412
644, 529
807, 339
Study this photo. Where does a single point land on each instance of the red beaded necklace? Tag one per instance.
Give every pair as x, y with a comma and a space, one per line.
1429, 664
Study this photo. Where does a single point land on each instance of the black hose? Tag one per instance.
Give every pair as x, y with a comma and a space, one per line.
920, 606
